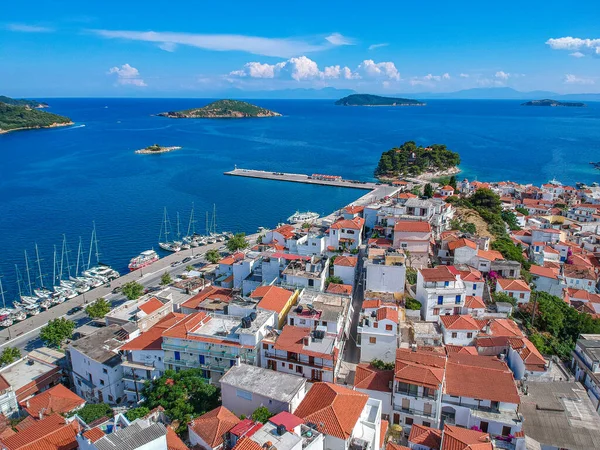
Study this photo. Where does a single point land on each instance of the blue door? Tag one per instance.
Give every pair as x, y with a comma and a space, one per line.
231, 362
177, 356
201, 359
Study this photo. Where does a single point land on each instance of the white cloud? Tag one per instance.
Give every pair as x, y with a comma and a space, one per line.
385, 69
278, 47
580, 46
430, 77
501, 75
574, 79
464, 75
375, 46
577, 55
23, 28
127, 75
256, 70
299, 69
167, 46
302, 68
446, 76
340, 72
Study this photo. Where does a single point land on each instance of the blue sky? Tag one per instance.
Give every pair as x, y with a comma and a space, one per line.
153, 49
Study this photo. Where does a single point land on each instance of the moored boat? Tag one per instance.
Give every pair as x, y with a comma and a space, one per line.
303, 217
144, 259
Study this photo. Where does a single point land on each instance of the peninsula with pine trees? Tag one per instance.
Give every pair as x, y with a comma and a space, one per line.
18, 114
376, 100
411, 159
222, 109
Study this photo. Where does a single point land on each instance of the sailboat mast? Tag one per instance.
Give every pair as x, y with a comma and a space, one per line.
178, 232
189, 231
18, 280
207, 232
214, 218
67, 257
2, 293
37, 255
89, 261
28, 276
96, 245
78, 257
54, 268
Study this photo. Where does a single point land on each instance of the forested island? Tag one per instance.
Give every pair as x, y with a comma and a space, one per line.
222, 109
24, 117
156, 149
22, 102
548, 102
376, 100
412, 160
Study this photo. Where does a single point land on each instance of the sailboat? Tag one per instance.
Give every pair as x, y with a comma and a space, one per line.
192, 238
100, 271
165, 230
41, 290
6, 314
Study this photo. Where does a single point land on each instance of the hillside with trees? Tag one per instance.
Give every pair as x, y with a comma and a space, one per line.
22, 102
412, 159
222, 109
13, 117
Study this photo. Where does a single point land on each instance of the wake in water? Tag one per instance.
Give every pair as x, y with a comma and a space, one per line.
73, 127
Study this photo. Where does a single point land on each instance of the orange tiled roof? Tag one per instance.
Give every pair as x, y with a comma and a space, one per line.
504, 327
287, 231
152, 339
474, 302
412, 226
508, 284
439, 273
93, 434
472, 275
387, 312
151, 305
245, 443
546, 272
213, 425
343, 289
490, 255
426, 436
372, 378
346, 261
232, 259
419, 367
212, 292
460, 322
273, 298
50, 433
336, 407
354, 209
291, 339
462, 243
529, 354
174, 442
392, 446
457, 438
58, 399
469, 350
354, 224
367, 304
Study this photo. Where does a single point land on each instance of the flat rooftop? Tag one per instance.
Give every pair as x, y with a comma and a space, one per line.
268, 383
591, 347
332, 306
227, 327
268, 433
560, 414
304, 269
25, 371
130, 311
102, 345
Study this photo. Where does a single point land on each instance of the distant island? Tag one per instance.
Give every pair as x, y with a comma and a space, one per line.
548, 102
412, 160
15, 117
376, 100
22, 102
156, 149
222, 109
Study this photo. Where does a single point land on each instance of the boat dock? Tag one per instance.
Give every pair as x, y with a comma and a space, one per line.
301, 178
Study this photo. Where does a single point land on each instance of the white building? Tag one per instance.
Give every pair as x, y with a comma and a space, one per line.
586, 365
346, 234
245, 388
141, 434
413, 236
345, 268
386, 270
96, 366
378, 333
377, 384
8, 399
207, 430
441, 291
310, 274
460, 329
143, 312
517, 289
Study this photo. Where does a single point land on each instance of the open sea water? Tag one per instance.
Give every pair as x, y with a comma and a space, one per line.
56, 182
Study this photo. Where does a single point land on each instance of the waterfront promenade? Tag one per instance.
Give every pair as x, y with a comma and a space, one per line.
301, 178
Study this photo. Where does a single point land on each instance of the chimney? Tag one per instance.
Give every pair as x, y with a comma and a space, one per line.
238, 360
413, 347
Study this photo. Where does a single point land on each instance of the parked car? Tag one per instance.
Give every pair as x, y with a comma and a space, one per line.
74, 310
186, 260
117, 290
175, 263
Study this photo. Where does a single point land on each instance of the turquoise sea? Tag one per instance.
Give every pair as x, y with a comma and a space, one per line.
58, 181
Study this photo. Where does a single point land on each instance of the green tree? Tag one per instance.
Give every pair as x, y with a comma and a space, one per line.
212, 256
190, 268
57, 331
412, 304
9, 355
133, 290
333, 279
510, 251
428, 190
522, 210
486, 198
452, 182
98, 309
237, 242
511, 220
166, 279
184, 395
411, 275
503, 297
382, 365
261, 414
137, 413
94, 411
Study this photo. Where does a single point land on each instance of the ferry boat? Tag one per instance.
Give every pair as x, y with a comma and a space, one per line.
303, 217
144, 259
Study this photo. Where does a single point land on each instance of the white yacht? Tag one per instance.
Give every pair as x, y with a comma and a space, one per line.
303, 217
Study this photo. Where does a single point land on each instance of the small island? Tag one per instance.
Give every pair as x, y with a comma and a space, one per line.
15, 117
548, 102
412, 160
222, 109
155, 149
376, 100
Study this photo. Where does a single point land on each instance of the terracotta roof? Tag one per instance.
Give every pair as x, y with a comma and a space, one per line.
210, 292
291, 340
50, 433
412, 226
372, 378
354, 224
579, 272
474, 302
368, 304
447, 188
480, 377
287, 231
439, 273
273, 298
546, 272
529, 354
213, 425
508, 284
335, 288
174, 442
336, 407
383, 428
457, 438
346, 261
472, 275
232, 259
354, 209
151, 305
504, 327
469, 350
245, 443
427, 436
152, 339
419, 367
387, 313
490, 255
462, 243
93, 434
380, 242
460, 322
58, 399
288, 419
4, 385
392, 446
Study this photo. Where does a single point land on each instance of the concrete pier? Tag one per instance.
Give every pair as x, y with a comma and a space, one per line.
301, 178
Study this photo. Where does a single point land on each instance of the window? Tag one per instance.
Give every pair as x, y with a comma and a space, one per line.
457, 300
510, 294
372, 340
291, 366
426, 424
110, 398
436, 311
408, 421
298, 369
469, 335
78, 381
104, 370
101, 382
506, 431
454, 335
440, 299
265, 346
324, 323
375, 325
282, 364
311, 282
243, 394
388, 327
302, 321
522, 295
474, 287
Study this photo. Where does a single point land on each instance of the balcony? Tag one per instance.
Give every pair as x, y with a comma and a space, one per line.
503, 442
473, 407
295, 360
196, 365
416, 412
415, 394
200, 351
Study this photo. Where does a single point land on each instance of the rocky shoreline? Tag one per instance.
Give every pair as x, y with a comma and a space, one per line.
54, 125
147, 151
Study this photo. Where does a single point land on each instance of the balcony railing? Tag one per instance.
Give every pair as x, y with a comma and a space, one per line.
472, 406
413, 411
320, 365
202, 351
416, 394
197, 365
